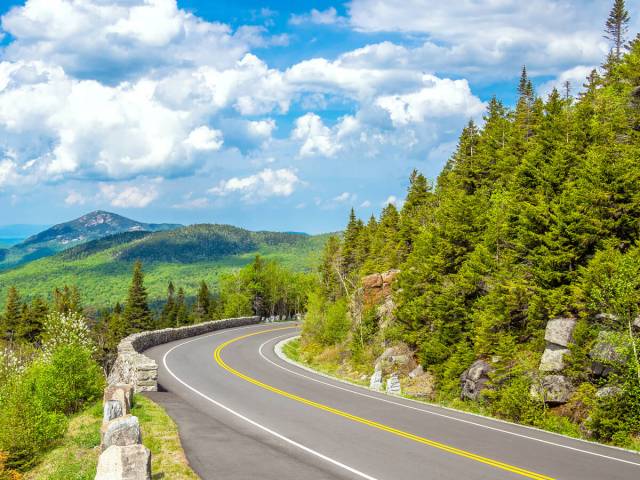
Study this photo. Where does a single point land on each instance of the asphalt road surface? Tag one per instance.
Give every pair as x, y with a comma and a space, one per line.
243, 413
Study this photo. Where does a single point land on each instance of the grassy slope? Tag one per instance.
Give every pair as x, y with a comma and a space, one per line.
104, 281
76, 457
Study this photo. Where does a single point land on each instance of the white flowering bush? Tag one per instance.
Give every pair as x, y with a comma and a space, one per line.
65, 329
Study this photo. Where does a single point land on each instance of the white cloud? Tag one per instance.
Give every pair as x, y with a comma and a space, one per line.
437, 98
319, 17
470, 36
129, 196
316, 138
576, 77
204, 138
345, 197
192, 204
365, 204
262, 185
75, 198
391, 200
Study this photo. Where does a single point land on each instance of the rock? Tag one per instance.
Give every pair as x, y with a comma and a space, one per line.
372, 281
389, 276
375, 383
400, 359
636, 323
130, 462
121, 392
608, 349
420, 386
553, 358
474, 379
606, 317
121, 431
112, 409
553, 389
559, 331
416, 372
377, 367
608, 392
393, 385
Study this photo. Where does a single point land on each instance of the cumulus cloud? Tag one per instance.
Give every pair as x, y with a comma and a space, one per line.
468, 36
319, 17
75, 198
345, 197
128, 196
204, 138
260, 186
315, 137
576, 77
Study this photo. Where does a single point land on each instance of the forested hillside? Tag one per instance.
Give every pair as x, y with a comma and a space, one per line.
536, 216
101, 268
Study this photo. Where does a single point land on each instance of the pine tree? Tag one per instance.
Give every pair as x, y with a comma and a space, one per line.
12, 316
350, 260
32, 320
203, 302
168, 314
616, 27
182, 311
137, 315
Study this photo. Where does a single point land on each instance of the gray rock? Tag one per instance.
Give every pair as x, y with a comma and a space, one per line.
121, 431
560, 331
112, 409
400, 359
130, 462
120, 392
553, 389
606, 317
416, 372
608, 349
608, 392
375, 383
636, 323
474, 379
393, 385
553, 358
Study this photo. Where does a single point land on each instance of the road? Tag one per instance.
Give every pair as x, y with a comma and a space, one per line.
243, 413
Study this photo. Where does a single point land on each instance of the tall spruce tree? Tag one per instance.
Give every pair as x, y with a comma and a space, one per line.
617, 27
137, 315
12, 315
203, 302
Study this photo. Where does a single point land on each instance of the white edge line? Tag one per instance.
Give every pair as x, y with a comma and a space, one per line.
252, 422
278, 351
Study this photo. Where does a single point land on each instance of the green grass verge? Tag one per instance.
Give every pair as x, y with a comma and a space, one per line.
76, 456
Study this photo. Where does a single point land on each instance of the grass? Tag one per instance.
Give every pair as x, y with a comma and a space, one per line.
160, 436
76, 456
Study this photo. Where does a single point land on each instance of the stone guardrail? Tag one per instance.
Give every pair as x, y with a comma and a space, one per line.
132, 367
123, 456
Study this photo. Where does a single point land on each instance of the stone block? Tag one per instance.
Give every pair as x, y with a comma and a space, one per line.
121, 431
560, 331
130, 462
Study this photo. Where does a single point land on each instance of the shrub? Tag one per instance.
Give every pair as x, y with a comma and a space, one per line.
67, 380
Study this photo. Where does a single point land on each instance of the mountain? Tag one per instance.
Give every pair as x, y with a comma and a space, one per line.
101, 268
92, 226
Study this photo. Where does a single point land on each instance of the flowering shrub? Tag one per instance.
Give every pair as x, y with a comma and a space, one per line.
65, 329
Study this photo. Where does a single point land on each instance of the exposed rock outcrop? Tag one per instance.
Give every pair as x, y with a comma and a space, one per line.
607, 353
377, 287
421, 385
475, 379
396, 359
553, 389
558, 334
130, 462
605, 392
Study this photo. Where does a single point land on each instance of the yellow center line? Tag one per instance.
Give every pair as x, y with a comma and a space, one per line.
364, 421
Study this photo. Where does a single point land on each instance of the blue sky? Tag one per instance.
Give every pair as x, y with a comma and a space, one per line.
267, 115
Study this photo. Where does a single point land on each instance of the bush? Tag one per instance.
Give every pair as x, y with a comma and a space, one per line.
27, 428
67, 380
34, 402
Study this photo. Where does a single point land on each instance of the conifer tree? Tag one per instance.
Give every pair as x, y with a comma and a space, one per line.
616, 27
12, 315
181, 309
203, 302
32, 320
137, 315
168, 314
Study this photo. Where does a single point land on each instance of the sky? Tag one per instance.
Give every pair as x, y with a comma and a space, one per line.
272, 115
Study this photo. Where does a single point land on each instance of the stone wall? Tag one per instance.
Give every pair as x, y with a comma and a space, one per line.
133, 368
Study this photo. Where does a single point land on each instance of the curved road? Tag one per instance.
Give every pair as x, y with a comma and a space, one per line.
243, 413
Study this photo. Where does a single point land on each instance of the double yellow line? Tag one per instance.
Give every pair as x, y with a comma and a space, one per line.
364, 421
